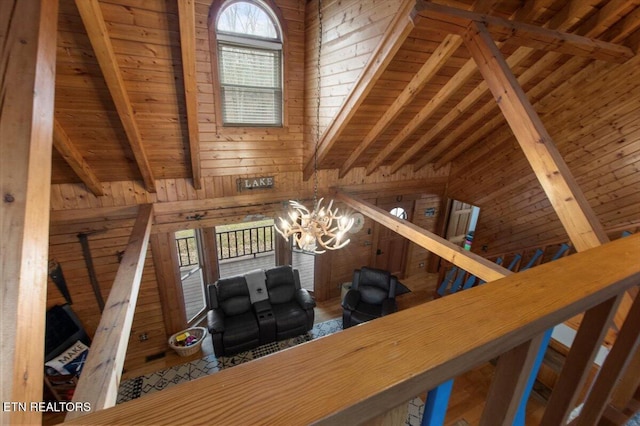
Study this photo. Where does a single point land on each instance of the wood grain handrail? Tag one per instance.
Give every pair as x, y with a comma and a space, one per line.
357, 374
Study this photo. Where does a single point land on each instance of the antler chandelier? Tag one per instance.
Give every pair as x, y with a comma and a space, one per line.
322, 228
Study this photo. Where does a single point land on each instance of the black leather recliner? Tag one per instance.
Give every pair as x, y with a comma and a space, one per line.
372, 295
292, 305
231, 320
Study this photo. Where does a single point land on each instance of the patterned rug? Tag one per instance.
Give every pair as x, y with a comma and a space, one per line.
144, 385
154, 382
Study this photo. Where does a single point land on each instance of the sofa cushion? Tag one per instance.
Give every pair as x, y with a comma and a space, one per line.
240, 329
280, 284
233, 296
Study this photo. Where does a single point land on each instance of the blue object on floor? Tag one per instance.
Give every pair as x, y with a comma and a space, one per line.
435, 407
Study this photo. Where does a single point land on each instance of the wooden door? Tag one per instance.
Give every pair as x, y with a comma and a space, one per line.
459, 218
390, 249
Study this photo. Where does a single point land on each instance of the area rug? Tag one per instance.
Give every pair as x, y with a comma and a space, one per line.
150, 383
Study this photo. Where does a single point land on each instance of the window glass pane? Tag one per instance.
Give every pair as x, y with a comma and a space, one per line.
251, 85
248, 19
249, 66
399, 212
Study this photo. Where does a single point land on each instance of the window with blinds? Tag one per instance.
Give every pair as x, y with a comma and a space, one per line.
249, 65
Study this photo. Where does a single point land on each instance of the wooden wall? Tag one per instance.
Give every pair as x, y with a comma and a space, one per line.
107, 239
597, 131
228, 154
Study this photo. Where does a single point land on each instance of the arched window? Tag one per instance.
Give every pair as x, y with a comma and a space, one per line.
249, 43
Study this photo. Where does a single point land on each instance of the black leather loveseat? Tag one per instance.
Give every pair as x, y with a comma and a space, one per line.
257, 308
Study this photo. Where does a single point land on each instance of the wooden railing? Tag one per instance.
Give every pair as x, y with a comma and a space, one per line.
363, 372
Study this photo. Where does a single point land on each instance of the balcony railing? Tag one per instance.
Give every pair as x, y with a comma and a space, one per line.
417, 349
231, 244
187, 251
243, 242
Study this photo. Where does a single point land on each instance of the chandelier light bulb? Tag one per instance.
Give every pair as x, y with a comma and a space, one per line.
315, 231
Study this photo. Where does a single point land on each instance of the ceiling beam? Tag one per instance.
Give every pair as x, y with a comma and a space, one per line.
187, 17
93, 20
531, 10
571, 9
464, 259
436, 61
575, 213
74, 159
27, 83
456, 21
98, 384
391, 41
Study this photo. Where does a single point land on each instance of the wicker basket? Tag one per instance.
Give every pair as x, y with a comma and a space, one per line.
199, 332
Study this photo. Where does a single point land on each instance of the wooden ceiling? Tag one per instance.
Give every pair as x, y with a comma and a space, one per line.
423, 100
125, 111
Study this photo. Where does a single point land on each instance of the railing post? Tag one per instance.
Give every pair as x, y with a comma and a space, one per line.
509, 382
584, 349
624, 348
435, 408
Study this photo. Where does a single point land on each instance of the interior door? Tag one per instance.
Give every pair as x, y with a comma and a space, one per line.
390, 250
459, 219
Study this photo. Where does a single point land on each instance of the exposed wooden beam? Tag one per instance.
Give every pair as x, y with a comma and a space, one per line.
568, 201
99, 36
574, 8
574, 211
470, 262
27, 82
509, 383
98, 384
74, 159
391, 41
187, 17
448, 90
455, 113
436, 60
452, 86
456, 21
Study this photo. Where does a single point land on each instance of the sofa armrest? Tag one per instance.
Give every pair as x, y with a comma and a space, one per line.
351, 300
389, 306
305, 299
215, 321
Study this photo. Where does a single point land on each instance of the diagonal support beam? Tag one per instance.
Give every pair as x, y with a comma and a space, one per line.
437, 59
98, 384
450, 252
64, 145
99, 36
392, 40
187, 17
554, 175
457, 21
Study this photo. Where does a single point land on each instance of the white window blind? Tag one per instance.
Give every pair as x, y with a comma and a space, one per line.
251, 83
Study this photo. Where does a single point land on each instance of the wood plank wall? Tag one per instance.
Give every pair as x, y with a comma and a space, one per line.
227, 155
597, 132
107, 239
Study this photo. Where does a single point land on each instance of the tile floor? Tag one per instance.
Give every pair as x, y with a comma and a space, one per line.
154, 382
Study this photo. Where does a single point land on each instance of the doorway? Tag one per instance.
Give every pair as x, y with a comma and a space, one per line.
462, 222
390, 249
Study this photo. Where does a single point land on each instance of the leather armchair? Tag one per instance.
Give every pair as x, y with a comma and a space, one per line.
372, 295
292, 305
231, 320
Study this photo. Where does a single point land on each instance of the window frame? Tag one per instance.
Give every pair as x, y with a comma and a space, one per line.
230, 39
